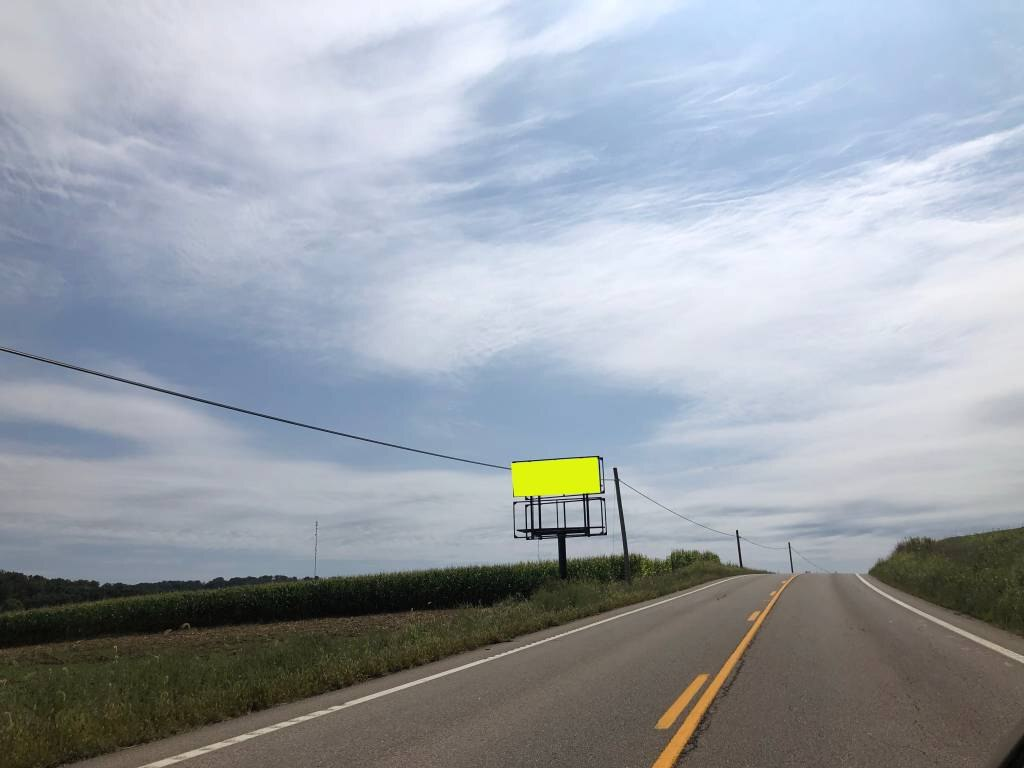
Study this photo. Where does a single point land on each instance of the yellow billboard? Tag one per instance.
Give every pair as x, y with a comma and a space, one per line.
557, 477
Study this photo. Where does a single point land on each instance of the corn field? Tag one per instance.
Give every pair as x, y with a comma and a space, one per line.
340, 596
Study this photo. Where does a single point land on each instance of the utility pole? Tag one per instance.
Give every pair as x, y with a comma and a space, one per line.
790, 548
622, 527
316, 543
738, 550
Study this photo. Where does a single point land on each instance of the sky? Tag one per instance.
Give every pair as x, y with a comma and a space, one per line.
766, 259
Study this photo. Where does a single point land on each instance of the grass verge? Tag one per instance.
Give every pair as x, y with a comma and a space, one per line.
981, 575
68, 701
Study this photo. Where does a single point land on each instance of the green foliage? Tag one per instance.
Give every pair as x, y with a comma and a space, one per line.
12, 604
342, 596
981, 575
55, 709
916, 545
683, 558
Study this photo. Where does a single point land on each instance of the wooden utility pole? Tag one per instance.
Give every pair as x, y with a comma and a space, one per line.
622, 527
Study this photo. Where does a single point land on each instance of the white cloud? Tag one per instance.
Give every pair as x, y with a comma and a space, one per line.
792, 284
590, 21
202, 152
146, 421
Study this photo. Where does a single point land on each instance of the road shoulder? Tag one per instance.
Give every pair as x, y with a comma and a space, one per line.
982, 629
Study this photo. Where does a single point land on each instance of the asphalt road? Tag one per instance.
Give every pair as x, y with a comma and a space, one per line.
828, 673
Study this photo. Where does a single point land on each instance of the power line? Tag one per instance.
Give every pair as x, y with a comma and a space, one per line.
246, 411
350, 436
809, 562
762, 546
684, 517
714, 530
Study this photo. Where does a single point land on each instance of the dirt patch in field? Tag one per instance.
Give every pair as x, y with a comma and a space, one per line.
213, 639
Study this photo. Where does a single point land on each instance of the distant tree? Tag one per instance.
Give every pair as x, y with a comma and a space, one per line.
20, 591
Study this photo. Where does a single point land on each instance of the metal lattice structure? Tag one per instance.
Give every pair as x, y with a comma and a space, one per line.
552, 517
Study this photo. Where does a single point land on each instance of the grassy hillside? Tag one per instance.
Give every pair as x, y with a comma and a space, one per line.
341, 596
981, 575
65, 701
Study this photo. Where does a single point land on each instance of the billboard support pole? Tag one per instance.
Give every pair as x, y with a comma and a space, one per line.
563, 566
738, 550
622, 527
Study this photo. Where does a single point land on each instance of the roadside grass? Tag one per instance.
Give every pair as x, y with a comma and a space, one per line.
68, 701
981, 575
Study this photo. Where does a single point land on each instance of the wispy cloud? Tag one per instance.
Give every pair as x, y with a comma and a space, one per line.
855, 252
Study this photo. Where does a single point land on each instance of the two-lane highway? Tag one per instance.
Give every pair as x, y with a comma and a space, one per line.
753, 670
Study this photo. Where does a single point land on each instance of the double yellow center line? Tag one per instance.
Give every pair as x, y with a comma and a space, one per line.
672, 713
682, 737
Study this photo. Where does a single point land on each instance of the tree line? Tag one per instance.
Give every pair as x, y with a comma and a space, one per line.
19, 591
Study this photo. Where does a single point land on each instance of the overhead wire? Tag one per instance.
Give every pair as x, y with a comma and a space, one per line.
810, 562
667, 509
715, 530
756, 544
351, 436
246, 411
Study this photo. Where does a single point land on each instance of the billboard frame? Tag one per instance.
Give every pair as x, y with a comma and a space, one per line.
592, 513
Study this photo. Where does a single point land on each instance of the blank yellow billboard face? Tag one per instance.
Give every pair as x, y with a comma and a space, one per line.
556, 477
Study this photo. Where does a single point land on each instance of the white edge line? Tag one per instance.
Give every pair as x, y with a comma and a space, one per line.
412, 684
946, 625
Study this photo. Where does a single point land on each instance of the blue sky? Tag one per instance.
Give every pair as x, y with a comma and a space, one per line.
766, 260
